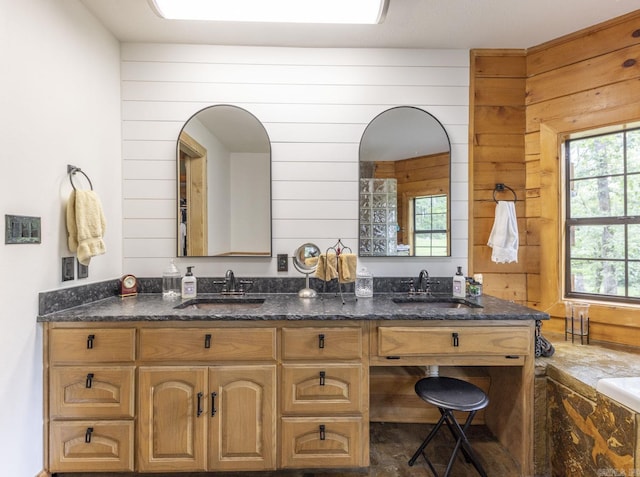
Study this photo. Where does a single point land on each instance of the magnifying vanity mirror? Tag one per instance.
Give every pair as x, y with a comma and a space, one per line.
305, 259
224, 184
404, 185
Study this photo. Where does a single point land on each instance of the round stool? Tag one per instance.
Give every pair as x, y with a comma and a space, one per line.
448, 395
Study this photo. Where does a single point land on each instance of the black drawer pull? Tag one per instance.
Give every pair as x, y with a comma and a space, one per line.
89, 382
199, 412
322, 376
322, 432
87, 435
455, 339
207, 341
321, 340
90, 340
213, 404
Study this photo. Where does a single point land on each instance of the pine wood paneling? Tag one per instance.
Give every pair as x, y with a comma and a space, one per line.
588, 43
497, 156
579, 107
615, 67
575, 83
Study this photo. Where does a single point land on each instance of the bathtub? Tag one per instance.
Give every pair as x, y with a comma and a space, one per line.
626, 391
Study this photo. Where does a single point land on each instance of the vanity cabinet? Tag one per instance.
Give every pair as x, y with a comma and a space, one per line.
324, 397
91, 399
196, 417
500, 349
228, 396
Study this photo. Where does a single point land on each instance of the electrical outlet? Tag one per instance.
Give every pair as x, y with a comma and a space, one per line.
283, 262
68, 268
83, 270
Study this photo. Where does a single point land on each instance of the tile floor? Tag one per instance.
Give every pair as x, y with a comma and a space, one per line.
392, 445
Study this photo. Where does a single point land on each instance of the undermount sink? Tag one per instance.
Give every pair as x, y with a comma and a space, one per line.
222, 303
434, 302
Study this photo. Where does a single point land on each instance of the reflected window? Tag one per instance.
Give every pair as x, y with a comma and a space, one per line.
404, 154
430, 226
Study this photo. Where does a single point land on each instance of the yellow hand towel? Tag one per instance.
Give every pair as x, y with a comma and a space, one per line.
85, 225
347, 267
326, 269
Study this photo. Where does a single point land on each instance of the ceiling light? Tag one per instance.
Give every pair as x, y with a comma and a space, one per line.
287, 11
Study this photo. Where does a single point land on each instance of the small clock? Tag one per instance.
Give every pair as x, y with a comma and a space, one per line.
128, 285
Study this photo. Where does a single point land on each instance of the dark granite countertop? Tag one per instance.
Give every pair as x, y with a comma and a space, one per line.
282, 306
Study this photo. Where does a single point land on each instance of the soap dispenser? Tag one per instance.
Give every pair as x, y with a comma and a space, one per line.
459, 284
189, 284
171, 279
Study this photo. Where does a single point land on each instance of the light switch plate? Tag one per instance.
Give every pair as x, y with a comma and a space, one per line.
283, 262
68, 264
22, 229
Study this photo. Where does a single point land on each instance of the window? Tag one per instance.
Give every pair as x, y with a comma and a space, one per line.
430, 226
603, 216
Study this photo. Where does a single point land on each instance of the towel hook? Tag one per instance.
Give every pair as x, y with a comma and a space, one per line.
71, 170
500, 188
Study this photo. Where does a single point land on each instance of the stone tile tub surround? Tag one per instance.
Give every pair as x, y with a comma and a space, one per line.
580, 431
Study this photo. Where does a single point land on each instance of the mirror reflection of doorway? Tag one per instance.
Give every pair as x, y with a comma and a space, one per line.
192, 194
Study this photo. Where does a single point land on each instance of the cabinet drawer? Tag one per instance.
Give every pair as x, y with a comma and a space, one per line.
96, 445
320, 389
201, 344
317, 442
451, 340
91, 345
92, 392
321, 343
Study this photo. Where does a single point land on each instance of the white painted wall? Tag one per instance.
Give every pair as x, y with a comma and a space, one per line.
59, 104
315, 105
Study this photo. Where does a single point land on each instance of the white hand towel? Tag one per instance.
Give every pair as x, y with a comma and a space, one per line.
504, 234
85, 225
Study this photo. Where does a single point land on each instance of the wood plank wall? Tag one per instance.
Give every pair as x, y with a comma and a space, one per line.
315, 104
583, 81
496, 138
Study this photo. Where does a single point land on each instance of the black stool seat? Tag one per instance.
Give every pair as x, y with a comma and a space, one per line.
451, 393
448, 395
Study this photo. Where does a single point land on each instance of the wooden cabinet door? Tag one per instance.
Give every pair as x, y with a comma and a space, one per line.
172, 418
242, 413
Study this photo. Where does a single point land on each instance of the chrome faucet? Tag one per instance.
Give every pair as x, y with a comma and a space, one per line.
229, 281
424, 284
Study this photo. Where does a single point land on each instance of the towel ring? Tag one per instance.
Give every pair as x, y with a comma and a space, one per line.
501, 188
71, 170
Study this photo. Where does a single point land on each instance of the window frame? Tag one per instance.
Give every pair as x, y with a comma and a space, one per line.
616, 220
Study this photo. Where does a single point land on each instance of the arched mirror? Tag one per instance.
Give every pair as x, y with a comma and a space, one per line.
404, 185
224, 184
